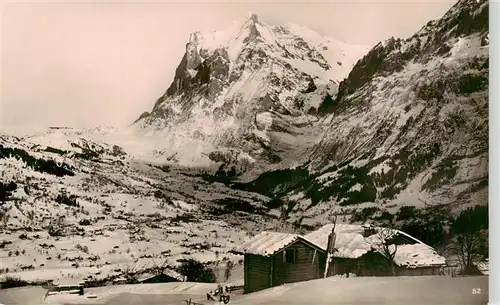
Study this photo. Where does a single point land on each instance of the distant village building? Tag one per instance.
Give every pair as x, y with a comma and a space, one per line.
120, 281
482, 267
69, 287
272, 258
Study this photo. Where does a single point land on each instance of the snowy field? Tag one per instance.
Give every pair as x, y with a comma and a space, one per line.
366, 290
376, 290
129, 215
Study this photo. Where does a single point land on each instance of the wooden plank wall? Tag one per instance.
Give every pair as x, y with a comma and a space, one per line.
322, 264
302, 270
257, 272
373, 264
417, 271
345, 266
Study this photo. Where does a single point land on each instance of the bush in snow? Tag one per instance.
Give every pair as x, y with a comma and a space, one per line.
6, 191
195, 271
84, 249
12, 282
70, 200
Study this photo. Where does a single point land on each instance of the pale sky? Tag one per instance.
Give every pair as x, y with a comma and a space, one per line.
83, 64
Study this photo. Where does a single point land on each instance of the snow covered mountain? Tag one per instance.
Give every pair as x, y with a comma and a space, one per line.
408, 127
249, 92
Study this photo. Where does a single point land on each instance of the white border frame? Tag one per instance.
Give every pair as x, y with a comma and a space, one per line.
494, 149
494, 155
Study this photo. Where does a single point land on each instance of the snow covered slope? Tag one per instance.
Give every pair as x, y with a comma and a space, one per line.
72, 206
248, 93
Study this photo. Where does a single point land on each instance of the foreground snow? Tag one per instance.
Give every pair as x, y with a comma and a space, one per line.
105, 294
375, 290
361, 290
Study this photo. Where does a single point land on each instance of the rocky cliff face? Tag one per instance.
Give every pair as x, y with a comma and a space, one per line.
409, 126
249, 93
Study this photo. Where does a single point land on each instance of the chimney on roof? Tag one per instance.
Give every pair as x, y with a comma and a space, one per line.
368, 230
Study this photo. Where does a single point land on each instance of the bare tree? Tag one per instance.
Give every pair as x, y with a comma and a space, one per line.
4, 217
467, 250
159, 267
471, 237
388, 249
283, 211
227, 271
130, 273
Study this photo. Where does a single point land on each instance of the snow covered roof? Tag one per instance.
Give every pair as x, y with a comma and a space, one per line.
67, 283
483, 267
268, 243
350, 243
174, 274
120, 279
168, 272
417, 255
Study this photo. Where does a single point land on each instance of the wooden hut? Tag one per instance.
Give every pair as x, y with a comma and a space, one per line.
359, 250
273, 259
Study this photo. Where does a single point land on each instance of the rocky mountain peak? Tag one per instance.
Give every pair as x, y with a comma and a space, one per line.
233, 86
251, 24
252, 17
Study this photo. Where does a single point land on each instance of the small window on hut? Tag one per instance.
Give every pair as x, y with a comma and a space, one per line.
290, 256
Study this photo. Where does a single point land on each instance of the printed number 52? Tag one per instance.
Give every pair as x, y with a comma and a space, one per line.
476, 290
